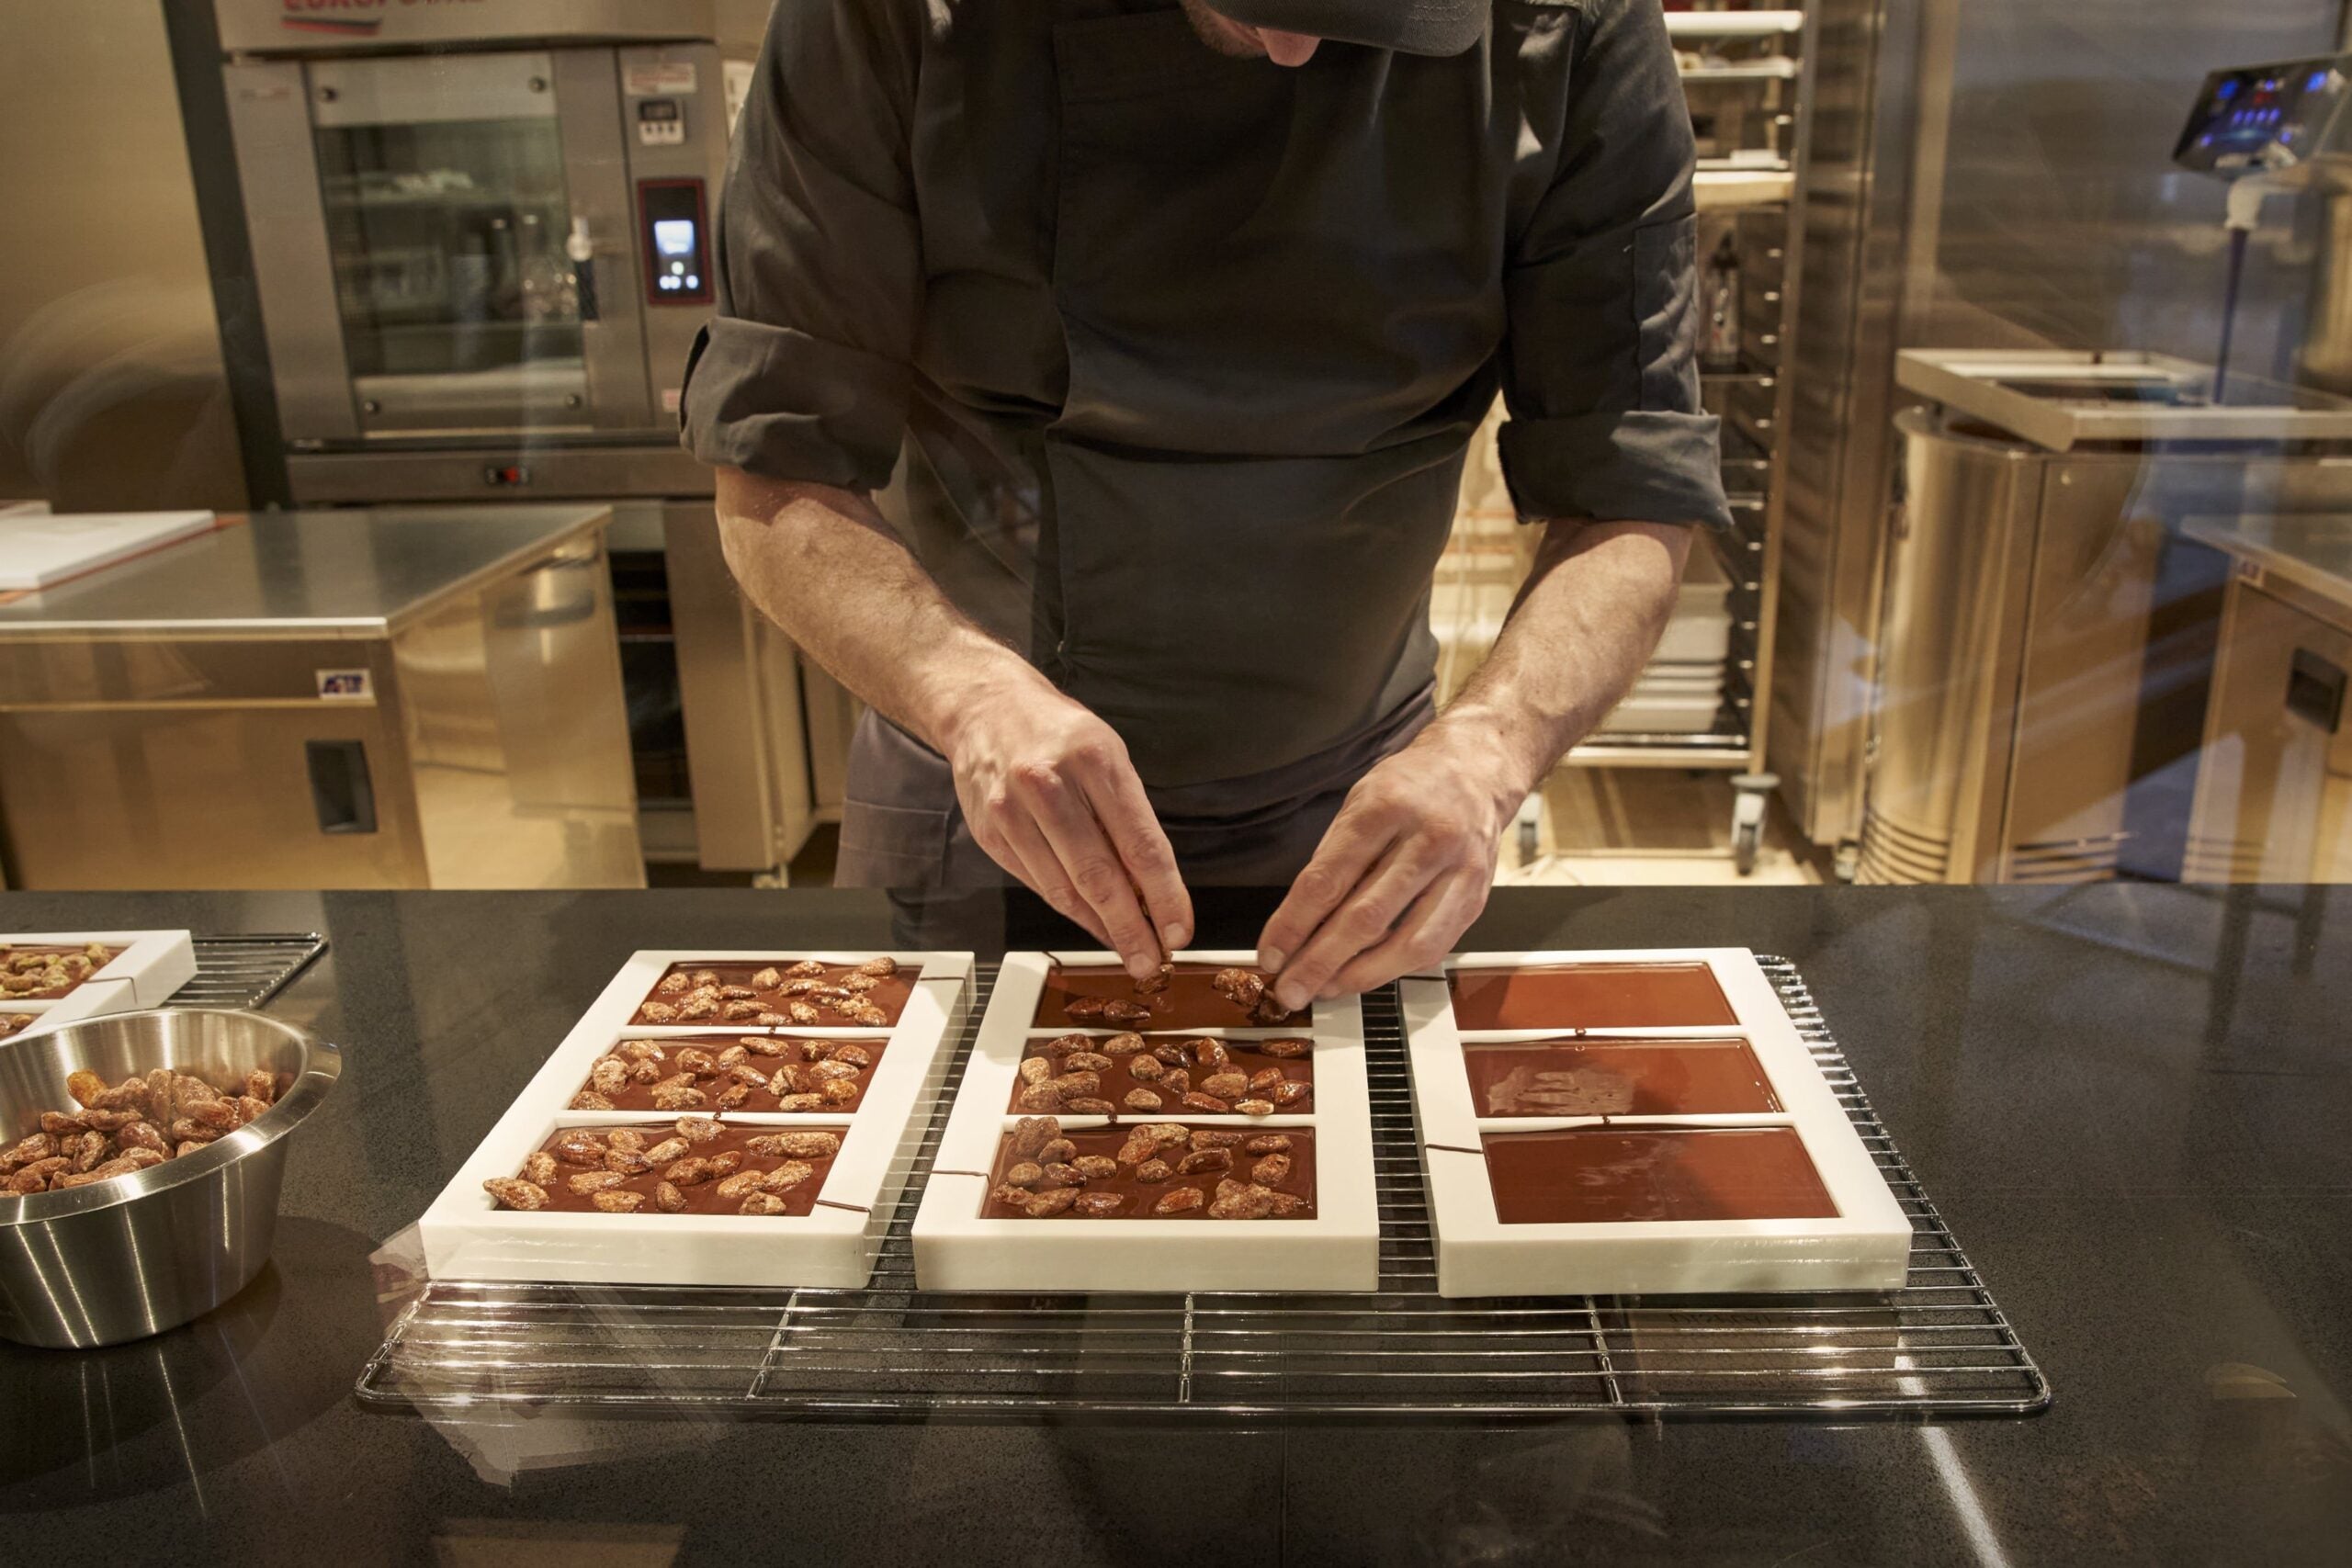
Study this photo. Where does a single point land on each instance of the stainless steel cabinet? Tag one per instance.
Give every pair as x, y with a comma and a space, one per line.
2045, 630
2011, 664
2274, 789
375, 699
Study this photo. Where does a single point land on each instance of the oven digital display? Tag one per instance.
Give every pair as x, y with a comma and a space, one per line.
676, 258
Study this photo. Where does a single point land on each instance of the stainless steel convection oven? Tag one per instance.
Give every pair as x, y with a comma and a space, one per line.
481, 238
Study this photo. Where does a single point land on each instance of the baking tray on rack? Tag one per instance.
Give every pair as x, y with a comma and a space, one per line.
1941, 1346
1662, 1124
844, 1209
963, 1241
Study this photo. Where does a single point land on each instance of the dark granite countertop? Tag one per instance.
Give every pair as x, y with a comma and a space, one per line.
2133, 1104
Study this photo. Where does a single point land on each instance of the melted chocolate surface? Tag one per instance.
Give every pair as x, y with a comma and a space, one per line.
702, 1197
1246, 1057
1590, 995
1137, 1198
890, 995
1189, 1002
1599, 1175
636, 1095
1617, 1078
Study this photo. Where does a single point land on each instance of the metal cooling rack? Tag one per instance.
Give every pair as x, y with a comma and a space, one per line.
246, 971
1939, 1346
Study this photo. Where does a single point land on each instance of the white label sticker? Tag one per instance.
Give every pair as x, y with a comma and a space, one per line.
346, 685
670, 399
735, 77
654, 78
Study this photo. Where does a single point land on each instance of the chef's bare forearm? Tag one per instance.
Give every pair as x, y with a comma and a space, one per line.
1407, 864
825, 566
1586, 621
1046, 787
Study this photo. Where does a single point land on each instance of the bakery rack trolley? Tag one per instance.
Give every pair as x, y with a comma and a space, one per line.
1748, 77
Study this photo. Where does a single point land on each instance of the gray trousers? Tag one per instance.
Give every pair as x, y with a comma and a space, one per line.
902, 828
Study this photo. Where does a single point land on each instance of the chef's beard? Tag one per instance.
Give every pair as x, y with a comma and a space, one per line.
1222, 33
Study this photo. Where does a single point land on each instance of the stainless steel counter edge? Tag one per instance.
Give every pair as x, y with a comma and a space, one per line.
2288, 560
354, 627
1990, 383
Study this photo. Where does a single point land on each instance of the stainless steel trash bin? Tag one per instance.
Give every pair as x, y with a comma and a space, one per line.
2031, 671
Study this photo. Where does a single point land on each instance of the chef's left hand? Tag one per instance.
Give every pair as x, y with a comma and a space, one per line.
1403, 870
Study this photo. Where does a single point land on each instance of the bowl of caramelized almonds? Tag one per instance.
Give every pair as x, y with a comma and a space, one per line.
140, 1170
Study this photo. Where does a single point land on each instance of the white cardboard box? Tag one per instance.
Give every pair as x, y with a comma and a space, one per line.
1866, 1246
466, 1235
1338, 1250
150, 968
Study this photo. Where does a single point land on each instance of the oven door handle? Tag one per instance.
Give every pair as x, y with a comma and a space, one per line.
581, 248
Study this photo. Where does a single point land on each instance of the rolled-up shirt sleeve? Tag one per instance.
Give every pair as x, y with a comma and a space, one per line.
1599, 364
803, 372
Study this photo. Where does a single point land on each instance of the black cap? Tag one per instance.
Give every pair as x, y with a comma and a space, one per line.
1409, 27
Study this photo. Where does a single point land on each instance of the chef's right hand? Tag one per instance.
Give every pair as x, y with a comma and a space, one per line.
1052, 797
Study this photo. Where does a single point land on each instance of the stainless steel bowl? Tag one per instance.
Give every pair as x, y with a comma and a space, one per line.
122, 1260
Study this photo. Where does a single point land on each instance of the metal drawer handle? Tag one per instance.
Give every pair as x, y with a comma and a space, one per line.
343, 794
2315, 690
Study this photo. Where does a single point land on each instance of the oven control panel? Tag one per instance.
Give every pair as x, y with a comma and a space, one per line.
677, 270
672, 138
661, 122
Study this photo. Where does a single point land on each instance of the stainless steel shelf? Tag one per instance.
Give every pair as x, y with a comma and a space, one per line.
2062, 398
1939, 1345
1775, 68
1720, 751
1724, 190
1733, 24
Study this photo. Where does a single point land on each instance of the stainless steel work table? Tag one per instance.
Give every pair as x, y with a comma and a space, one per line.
362, 572
2126, 1100
423, 696
2271, 803
2311, 551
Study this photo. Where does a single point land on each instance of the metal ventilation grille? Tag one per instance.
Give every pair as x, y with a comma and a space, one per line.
1939, 1345
1894, 853
246, 971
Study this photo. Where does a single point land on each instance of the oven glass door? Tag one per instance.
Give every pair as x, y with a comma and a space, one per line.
447, 210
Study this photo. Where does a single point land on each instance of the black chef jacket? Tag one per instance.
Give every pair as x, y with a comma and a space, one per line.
1183, 351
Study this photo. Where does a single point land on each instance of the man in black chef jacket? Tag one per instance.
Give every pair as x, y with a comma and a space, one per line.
1182, 317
